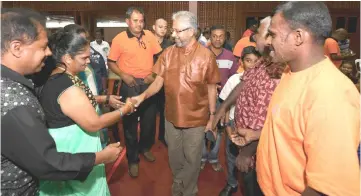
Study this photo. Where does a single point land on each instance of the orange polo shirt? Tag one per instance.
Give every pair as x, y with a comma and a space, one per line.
247, 33
331, 47
311, 135
238, 49
134, 55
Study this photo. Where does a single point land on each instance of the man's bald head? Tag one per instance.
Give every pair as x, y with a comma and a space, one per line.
160, 27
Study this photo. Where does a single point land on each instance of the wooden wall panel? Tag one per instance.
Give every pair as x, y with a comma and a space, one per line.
230, 14
233, 15
94, 9
223, 13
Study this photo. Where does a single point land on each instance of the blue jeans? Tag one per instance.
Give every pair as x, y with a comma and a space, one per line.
212, 155
231, 163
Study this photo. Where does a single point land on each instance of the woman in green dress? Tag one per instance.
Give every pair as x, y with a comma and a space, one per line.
70, 110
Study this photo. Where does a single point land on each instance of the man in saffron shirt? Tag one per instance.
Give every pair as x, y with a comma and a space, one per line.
310, 138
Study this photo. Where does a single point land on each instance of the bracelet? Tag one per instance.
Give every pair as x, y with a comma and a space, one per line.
107, 99
121, 112
212, 113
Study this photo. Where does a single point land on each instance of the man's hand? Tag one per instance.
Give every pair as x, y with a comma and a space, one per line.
138, 99
219, 116
209, 127
129, 80
237, 139
247, 136
110, 153
114, 101
149, 79
244, 163
230, 132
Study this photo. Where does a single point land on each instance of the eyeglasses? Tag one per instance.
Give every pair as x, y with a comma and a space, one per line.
179, 31
142, 44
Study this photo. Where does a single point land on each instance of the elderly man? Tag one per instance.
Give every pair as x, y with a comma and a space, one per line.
34, 155
309, 142
189, 73
251, 98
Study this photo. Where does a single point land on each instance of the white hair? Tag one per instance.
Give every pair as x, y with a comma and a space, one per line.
187, 17
267, 22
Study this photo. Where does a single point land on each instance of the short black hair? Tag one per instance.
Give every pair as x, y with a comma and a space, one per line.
249, 50
217, 27
64, 42
37, 16
20, 24
130, 11
98, 31
74, 28
312, 15
252, 22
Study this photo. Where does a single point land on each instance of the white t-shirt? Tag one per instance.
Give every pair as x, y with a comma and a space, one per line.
102, 48
203, 40
232, 82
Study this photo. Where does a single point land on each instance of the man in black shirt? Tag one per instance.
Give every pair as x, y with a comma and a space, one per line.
160, 29
28, 152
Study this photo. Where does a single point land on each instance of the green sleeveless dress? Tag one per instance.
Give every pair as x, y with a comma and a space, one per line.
74, 139
88, 77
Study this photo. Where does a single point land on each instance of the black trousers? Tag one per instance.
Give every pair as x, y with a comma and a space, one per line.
251, 186
160, 98
147, 113
115, 127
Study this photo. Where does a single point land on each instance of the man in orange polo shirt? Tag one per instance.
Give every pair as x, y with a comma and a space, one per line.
309, 142
238, 49
332, 49
252, 28
131, 57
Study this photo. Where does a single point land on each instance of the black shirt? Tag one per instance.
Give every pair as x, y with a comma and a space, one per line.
165, 44
28, 152
100, 70
50, 93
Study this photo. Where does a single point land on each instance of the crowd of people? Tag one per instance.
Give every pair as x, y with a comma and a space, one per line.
284, 97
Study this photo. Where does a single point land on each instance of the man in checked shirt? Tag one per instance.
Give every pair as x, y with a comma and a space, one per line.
251, 98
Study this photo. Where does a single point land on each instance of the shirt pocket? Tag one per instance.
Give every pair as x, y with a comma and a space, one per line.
195, 75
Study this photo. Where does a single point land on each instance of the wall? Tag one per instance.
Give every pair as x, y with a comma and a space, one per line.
230, 14
111, 32
233, 15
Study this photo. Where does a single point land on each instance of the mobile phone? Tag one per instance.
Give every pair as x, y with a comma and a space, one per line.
210, 136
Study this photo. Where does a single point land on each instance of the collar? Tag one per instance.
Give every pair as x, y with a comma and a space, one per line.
209, 47
251, 38
14, 76
97, 43
189, 48
130, 35
334, 39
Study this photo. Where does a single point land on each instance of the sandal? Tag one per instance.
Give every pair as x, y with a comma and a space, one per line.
217, 167
203, 164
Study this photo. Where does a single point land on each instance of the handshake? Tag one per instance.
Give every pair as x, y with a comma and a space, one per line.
110, 153
132, 103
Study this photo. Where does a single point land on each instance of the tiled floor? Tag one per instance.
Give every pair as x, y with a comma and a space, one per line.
155, 178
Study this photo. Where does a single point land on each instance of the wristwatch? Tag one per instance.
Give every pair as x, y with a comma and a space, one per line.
107, 99
154, 75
